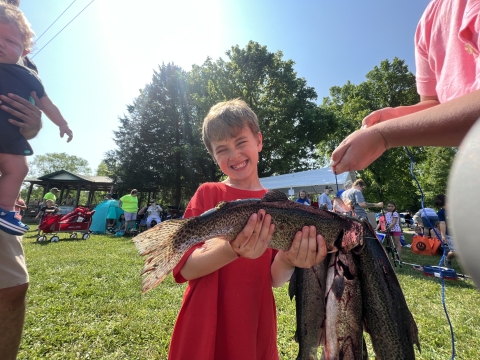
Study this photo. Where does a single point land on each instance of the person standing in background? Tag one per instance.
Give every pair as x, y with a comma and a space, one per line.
324, 202
346, 186
355, 199
302, 198
129, 204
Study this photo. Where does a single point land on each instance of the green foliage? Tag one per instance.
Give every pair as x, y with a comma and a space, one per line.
85, 302
156, 147
389, 85
102, 169
159, 140
433, 172
291, 123
51, 162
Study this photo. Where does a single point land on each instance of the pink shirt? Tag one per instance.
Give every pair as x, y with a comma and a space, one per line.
447, 49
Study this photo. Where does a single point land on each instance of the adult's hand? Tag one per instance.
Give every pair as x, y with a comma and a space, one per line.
24, 110
358, 150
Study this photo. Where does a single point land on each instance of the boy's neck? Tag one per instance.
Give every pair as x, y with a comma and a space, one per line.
252, 185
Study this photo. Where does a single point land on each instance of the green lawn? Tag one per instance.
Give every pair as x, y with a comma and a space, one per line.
85, 302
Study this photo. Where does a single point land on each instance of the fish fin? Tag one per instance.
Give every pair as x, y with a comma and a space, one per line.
364, 349
220, 204
162, 253
274, 195
292, 286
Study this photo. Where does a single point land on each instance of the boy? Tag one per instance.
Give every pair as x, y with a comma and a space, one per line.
15, 42
228, 310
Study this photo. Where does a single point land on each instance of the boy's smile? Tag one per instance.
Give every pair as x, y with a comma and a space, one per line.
11, 44
238, 157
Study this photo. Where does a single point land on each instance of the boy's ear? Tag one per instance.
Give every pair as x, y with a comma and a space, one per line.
259, 141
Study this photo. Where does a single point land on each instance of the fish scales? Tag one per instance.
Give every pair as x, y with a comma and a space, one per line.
308, 287
167, 242
343, 310
388, 320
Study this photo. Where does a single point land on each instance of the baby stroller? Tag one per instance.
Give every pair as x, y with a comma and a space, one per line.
77, 221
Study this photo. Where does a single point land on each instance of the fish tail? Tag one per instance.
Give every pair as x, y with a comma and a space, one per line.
158, 244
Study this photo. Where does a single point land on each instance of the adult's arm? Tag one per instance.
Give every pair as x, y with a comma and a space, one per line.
441, 125
24, 110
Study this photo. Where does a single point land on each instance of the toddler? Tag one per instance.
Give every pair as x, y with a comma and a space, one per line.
16, 42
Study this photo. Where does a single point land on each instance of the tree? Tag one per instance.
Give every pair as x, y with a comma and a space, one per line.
159, 139
291, 123
156, 146
51, 162
102, 169
433, 172
389, 85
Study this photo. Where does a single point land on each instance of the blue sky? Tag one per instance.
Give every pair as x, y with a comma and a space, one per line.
96, 65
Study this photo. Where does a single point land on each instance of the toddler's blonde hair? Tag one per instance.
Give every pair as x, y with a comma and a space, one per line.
10, 14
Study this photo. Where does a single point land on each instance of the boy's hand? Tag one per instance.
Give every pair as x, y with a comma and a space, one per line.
307, 250
64, 129
253, 240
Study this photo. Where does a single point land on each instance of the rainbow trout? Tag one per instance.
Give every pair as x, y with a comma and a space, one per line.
343, 336
308, 287
387, 319
166, 243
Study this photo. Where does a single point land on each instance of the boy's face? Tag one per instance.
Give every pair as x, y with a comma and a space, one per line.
49, 203
11, 44
238, 156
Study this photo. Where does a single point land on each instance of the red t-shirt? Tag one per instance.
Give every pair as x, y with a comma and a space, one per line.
230, 313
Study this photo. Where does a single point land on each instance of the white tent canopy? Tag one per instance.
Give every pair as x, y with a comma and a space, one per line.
312, 181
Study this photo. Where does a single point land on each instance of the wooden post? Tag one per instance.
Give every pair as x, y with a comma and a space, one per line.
77, 198
29, 193
61, 194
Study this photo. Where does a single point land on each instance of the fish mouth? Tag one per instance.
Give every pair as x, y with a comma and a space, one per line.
240, 165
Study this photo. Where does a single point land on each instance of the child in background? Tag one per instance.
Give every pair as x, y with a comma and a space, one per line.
228, 309
49, 209
393, 225
16, 42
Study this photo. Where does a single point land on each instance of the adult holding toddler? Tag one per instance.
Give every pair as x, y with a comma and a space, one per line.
14, 277
230, 283
16, 42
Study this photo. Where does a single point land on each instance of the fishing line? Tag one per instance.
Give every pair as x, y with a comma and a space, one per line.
412, 163
62, 29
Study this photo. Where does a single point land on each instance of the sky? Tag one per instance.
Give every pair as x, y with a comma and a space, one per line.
96, 66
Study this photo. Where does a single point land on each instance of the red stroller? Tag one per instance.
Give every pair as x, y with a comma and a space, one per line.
79, 220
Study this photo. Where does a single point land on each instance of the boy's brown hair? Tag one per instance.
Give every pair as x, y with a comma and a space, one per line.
227, 119
359, 182
10, 14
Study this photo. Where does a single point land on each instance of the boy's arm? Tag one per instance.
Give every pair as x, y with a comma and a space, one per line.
307, 249
52, 112
250, 243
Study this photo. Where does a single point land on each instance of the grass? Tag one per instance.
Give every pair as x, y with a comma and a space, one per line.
85, 302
